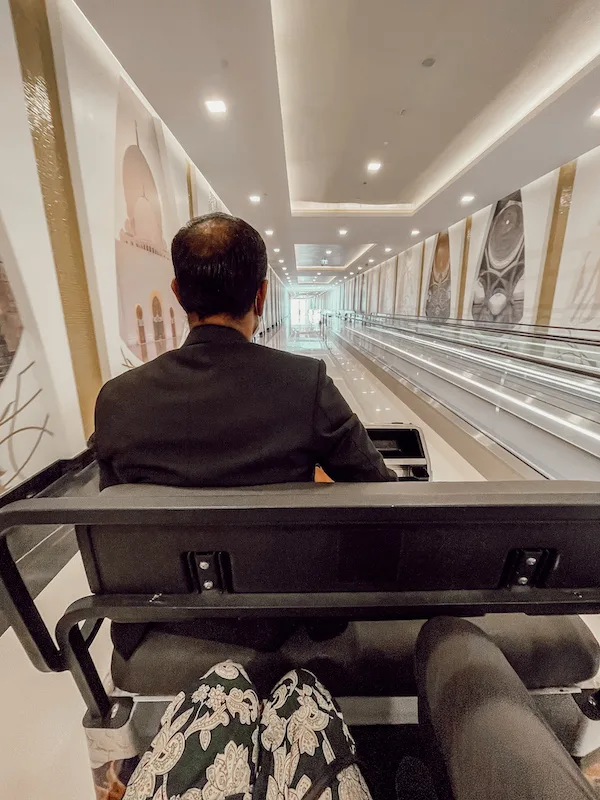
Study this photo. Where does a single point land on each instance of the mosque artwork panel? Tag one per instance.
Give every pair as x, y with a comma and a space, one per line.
437, 303
387, 286
498, 291
150, 320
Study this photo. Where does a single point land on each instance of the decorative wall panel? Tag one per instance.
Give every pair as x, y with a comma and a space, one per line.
40, 413
407, 282
133, 193
531, 258
499, 287
387, 286
437, 302
373, 291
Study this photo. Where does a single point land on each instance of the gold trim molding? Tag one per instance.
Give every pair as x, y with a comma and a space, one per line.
190, 190
464, 265
556, 239
32, 32
421, 268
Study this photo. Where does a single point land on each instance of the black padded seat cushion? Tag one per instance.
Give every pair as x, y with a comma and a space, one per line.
369, 659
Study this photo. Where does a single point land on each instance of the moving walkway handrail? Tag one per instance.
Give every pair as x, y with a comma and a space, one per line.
539, 361
471, 325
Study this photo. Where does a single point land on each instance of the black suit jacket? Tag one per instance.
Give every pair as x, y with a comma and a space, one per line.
221, 411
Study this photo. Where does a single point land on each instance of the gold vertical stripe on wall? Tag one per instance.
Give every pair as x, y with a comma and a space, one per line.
556, 238
464, 265
45, 122
189, 188
418, 314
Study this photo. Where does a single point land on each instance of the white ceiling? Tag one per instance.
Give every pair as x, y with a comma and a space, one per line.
310, 256
315, 88
353, 86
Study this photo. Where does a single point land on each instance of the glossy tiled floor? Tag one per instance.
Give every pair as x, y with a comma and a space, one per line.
374, 402
43, 754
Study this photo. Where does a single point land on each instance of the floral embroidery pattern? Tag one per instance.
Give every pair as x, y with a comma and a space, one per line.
214, 744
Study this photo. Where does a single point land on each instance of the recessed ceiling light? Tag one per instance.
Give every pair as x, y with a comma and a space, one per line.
269, 232
254, 198
327, 252
318, 273
351, 273
467, 198
285, 269
388, 249
342, 231
371, 261
360, 268
596, 113
415, 232
281, 260
277, 250
216, 106
374, 166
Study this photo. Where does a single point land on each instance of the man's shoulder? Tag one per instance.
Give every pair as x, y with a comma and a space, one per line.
131, 380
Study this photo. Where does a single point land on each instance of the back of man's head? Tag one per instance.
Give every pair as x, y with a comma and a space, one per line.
220, 263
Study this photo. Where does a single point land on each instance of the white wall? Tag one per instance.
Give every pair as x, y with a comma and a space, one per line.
42, 398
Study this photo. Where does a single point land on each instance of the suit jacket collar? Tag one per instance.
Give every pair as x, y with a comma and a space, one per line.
214, 334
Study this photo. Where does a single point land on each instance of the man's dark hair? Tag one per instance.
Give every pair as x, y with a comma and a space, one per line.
220, 262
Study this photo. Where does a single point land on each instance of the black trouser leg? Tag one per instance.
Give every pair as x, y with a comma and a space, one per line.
482, 723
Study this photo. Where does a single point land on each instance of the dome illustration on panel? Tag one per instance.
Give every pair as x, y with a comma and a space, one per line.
437, 304
144, 269
498, 292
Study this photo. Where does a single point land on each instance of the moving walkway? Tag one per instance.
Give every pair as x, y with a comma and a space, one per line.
534, 393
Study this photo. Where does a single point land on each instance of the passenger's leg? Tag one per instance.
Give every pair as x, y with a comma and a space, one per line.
207, 746
482, 723
306, 748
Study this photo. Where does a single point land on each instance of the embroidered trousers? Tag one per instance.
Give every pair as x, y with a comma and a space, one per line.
217, 743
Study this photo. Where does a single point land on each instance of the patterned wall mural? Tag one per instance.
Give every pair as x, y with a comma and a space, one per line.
408, 280
489, 279
11, 326
25, 434
437, 304
499, 288
387, 286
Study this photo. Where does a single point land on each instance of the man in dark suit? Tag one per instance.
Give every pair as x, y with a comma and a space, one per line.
221, 411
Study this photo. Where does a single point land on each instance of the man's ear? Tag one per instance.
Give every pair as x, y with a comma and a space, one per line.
175, 288
261, 297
